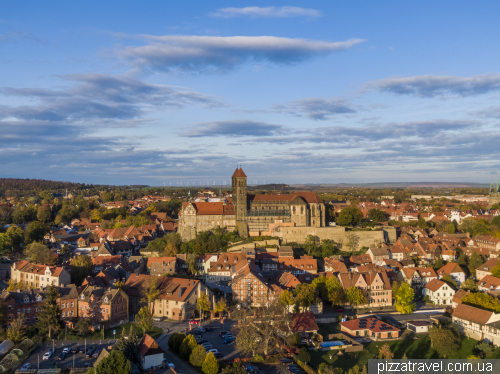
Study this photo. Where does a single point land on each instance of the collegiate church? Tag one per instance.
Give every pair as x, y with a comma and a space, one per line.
251, 214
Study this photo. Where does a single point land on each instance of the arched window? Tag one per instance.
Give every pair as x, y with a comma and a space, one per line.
301, 210
293, 210
314, 210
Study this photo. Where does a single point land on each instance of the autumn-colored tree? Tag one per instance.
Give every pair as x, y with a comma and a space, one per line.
17, 330
385, 352
221, 306
404, 299
144, 319
210, 365
81, 268
482, 300
335, 291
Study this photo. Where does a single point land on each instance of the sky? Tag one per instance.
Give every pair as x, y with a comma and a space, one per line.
170, 93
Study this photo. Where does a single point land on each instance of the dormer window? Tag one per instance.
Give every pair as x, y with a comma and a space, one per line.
26, 299
82, 297
38, 298
106, 300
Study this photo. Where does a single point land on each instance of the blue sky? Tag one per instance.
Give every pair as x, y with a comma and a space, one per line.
127, 92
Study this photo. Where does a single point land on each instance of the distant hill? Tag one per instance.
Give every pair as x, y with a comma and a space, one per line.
10, 185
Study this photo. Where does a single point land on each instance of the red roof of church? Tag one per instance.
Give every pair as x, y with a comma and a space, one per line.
239, 173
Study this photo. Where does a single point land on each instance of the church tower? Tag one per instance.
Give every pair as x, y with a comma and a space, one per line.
239, 185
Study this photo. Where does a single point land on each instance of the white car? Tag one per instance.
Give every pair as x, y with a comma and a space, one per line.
214, 351
47, 355
201, 329
65, 351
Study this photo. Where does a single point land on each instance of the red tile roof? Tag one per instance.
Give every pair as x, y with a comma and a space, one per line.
148, 346
303, 322
378, 326
238, 173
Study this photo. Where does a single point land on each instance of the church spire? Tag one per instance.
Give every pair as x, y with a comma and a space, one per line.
491, 187
498, 186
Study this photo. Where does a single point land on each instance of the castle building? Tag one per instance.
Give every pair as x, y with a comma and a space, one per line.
252, 214
494, 197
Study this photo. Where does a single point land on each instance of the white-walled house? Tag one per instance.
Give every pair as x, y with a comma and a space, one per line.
439, 292
453, 269
477, 323
150, 353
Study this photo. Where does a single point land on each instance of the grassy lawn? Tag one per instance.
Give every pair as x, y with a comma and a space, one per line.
419, 348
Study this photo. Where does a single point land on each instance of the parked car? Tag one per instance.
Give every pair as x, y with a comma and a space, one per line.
196, 332
75, 350
217, 355
47, 355
339, 309
201, 341
88, 364
223, 332
293, 369
202, 329
65, 351
90, 351
249, 367
193, 322
157, 319
96, 353
209, 329
62, 356
26, 366
285, 360
229, 340
214, 351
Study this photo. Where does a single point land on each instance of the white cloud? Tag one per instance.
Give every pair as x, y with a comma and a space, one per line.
434, 85
217, 53
266, 12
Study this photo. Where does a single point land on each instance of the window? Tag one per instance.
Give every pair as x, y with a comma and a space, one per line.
29, 310
10, 307
36, 310
10, 317
72, 304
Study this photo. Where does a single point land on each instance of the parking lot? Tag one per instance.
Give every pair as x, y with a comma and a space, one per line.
78, 359
228, 351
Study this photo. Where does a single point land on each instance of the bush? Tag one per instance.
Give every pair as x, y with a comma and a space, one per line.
304, 355
258, 358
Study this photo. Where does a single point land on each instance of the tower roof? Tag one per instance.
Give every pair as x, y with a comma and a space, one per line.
239, 173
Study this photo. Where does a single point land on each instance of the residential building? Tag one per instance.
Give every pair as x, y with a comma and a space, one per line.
439, 292
378, 254
369, 327
106, 307
22, 302
477, 323
489, 283
36, 276
454, 270
485, 269
376, 285
251, 289
161, 265
150, 353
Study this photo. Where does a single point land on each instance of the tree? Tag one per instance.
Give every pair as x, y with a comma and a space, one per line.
404, 299
286, 298
188, 344
475, 261
328, 248
311, 245
203, 303
376, 215
49, 317
210, 365
450, 281
469, 285
248, 339
198, 356
35, 232
495, 271
150, 292
385, 352
482, 300
83, 326
144, 319
191, 260
319, 284
451, 228
304, 355
17, 330
461, 259
175, 341
467, 224
350, 216
81, 268
16, 236
356, 296
335, 291
486, 348
39, 253
351, 241
438, 264
4, 243
304, 294
115, 362
44, 214
422, 223
444, 340
221, 306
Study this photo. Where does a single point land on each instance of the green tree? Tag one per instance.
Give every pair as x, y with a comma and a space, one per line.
450, 281
4, 243
482, 300
210, 365
311, 245
49, 317
319, 283
191, 260
221, 306
83, 325
16, 236
461, 259
486, 348
469, 285
304, 295
175, 341
203, 303
81, 268
128, 347
144, 319
376, 215
444, 340
355, 296
438, 264
35, 232
188, 344
286, 298
475, 261
335, 291
404, 299
39, 253
350, 216
114, 363
304, 355
495, 271
150, 291
17, 330
451, 228
351, 242
422, 223
198, 356
328, 248
44, 214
